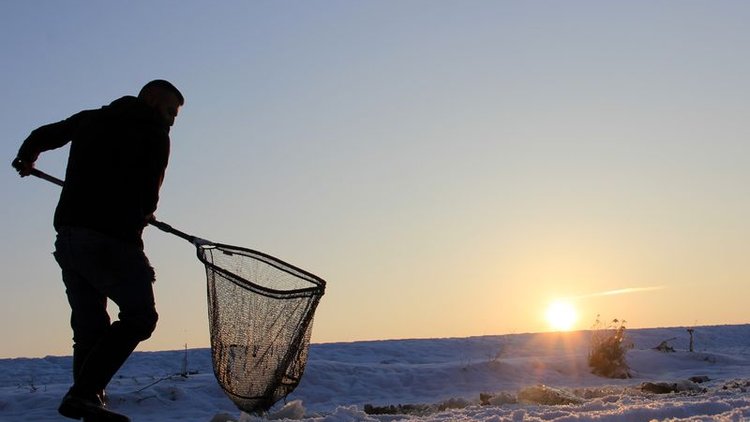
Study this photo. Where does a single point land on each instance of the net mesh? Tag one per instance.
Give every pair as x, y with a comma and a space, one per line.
260, 315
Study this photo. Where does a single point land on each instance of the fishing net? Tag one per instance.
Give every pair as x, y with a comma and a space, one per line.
260, 315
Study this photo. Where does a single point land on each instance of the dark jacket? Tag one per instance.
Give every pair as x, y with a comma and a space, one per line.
118, 156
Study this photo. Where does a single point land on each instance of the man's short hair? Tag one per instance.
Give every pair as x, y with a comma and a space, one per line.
164, 85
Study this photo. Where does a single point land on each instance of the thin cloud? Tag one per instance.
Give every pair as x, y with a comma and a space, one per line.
621, 291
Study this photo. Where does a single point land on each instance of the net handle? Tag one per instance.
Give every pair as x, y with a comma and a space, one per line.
154, 222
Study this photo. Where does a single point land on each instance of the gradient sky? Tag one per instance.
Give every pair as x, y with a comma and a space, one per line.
449, 167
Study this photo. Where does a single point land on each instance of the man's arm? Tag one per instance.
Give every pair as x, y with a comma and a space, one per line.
46, 138
157, 166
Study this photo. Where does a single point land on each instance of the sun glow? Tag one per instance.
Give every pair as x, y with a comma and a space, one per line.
561, 315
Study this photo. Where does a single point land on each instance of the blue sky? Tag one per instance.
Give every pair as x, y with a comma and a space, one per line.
449, 167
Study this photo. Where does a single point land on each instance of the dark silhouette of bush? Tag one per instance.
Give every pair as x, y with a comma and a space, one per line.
607, 354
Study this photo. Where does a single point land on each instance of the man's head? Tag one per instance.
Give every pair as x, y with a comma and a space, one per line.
164, 97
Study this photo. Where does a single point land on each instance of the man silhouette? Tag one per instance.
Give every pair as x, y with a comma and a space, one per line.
118, 156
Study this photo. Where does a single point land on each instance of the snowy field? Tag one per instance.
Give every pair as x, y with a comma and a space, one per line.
532, 377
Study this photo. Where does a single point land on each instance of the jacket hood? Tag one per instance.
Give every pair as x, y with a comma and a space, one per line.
136, 108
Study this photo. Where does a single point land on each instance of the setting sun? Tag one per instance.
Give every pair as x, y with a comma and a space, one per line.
561, 315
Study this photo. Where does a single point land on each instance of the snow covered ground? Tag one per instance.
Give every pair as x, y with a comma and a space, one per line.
534, 377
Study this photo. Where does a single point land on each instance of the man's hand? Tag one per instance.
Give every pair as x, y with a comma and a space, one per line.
23, 167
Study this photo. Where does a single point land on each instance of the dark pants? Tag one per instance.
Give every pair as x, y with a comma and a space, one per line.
95, 267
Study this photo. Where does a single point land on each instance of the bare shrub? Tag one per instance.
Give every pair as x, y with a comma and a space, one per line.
607, 353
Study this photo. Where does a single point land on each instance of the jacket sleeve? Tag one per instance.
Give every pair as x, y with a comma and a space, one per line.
158, 161
51, 136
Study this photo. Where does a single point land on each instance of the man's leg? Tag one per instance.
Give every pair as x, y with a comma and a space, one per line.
120, 271
88, 318
137, 320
